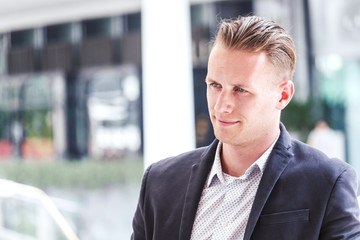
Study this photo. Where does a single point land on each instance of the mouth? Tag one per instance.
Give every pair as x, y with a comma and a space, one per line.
226, 123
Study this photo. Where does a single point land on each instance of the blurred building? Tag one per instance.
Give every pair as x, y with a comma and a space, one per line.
71, 71
70, 75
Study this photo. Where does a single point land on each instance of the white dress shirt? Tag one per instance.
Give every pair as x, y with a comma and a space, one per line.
226, 201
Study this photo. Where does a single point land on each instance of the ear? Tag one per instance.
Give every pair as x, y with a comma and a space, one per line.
286, 94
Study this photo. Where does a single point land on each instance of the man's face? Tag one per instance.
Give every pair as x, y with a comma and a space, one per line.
243, 93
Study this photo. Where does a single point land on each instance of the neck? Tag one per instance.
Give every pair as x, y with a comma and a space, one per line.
236, 159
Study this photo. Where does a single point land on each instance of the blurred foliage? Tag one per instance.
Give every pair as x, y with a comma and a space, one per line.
37, 123
72, 174
300, 117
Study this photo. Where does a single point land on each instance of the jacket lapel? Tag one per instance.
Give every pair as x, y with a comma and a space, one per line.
276, 164
199, 173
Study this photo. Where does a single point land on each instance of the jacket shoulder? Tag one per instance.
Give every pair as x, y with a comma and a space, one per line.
179, 162
315, 161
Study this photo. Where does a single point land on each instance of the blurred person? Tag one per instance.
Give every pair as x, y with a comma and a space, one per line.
254, 181
327, 140
17, 138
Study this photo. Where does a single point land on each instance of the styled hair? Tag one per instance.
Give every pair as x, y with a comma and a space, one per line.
256, 34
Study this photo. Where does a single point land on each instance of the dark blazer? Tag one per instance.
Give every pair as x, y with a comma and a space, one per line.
303, 195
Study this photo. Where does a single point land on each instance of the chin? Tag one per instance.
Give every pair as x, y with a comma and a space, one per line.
227, 138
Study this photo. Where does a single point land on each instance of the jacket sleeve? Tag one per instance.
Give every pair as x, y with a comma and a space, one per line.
341, 220
139, 224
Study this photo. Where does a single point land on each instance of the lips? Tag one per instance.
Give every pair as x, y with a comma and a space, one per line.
225, 122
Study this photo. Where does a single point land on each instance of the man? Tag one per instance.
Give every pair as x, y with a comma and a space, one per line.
254, 181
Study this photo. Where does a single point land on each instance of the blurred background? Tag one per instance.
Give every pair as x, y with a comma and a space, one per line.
71, 101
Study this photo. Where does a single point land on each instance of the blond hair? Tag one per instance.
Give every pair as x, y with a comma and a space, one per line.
256, 34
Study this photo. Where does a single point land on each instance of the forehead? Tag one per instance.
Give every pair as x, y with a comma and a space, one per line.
240, 66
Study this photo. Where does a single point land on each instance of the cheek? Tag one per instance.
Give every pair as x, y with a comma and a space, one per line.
211, 100
254, 108
266, 109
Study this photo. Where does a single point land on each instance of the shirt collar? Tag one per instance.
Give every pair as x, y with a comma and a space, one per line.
216, 169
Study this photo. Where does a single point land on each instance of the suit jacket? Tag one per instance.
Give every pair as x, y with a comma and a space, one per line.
303, 195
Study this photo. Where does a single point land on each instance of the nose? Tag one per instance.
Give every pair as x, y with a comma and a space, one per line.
225, 102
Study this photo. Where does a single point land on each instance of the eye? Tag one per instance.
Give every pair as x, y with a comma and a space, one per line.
215, 85
240, 90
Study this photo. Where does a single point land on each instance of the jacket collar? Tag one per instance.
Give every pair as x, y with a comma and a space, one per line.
278, 161
199, 173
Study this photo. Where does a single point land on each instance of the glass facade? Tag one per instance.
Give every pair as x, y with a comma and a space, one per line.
32, 113
336, 68
72, 49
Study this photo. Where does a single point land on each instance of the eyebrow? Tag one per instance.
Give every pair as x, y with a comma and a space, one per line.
207, 80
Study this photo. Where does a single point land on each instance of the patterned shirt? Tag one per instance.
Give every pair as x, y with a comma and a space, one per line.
226, 201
